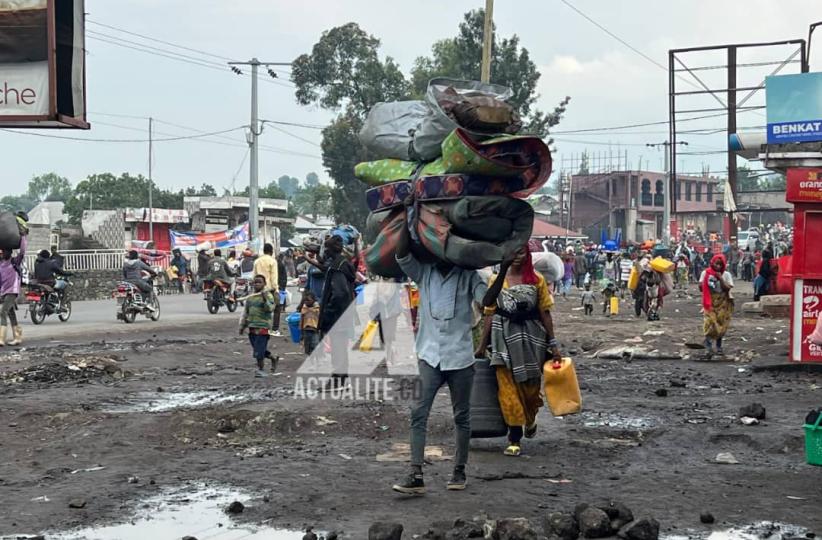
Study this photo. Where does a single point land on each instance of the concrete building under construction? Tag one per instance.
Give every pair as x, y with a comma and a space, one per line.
633, 202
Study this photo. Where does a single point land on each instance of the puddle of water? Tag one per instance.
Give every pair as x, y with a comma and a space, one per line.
199, 513
763, 530
592, 419
168, 401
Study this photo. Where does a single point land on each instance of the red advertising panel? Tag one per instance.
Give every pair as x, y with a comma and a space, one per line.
804, 185
807, 304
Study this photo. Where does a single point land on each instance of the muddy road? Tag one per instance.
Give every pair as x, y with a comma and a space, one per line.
109, 420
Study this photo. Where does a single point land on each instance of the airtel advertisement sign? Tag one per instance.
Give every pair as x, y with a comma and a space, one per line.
42, 63
807, 306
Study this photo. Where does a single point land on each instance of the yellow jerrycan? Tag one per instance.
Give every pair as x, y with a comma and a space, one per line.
562, 387
614, 305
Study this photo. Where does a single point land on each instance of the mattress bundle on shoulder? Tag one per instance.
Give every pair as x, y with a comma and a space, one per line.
454, 172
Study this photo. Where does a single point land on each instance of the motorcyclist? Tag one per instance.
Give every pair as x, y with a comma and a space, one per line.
46, 268
247, 264
218, 269
133, 270
202, 268
181, 264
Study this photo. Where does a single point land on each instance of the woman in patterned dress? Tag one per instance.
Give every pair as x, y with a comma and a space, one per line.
717, 303
519, 327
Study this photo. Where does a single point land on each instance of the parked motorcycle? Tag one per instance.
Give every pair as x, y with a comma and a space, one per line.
217, 293
131, 302
45, 300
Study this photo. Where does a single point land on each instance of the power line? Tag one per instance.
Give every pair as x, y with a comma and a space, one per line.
191, 49
172, 55
616, 37
169, 139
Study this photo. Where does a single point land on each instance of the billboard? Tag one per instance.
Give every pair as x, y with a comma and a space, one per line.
806, 304
803, 185
192, 241
794, 105
42, 63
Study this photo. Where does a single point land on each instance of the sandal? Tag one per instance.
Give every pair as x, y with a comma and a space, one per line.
531, 431
513, 450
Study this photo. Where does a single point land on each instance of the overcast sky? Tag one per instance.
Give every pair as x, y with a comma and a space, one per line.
610, 85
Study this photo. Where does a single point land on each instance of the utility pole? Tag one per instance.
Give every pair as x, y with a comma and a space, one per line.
667, 192
255, 130
150, 186
487, 41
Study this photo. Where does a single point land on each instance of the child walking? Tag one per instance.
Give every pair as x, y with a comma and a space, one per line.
588, 299
309, 322
259, 308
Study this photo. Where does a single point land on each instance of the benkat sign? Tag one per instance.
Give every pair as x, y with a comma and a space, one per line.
804, 185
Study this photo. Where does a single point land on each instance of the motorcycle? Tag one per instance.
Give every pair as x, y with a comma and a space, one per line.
44, 300
217, 293
131, 302
242, 288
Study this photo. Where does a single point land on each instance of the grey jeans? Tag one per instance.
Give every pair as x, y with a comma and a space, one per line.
460, 383
8, 310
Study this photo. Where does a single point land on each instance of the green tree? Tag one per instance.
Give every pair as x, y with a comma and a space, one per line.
312, 180
344, 72
289, 185
15, 203
313, 201
460, 57
205, 190
583, 163
270, 191
106, 191
49, 187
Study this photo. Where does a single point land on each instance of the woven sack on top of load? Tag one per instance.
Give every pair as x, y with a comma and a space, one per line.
414, 130
526, 158
479, 112
454, 94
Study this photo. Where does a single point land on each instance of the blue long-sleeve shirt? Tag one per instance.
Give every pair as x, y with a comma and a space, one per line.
445, 314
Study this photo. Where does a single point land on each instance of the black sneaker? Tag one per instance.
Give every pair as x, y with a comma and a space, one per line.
410, 485
457, 481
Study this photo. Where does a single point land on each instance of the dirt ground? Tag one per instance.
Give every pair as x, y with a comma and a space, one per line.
74, 425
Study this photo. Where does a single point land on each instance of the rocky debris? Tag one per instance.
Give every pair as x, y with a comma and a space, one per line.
594, 523
661, 392
562, 525
75, 369
189, 538
641, 529
385, 531
226, 425
706, 518
677, 383
235, 507
726, 458
133, 480
754, 410
514, 529
619, 514
333, 535
464, 529
77, 503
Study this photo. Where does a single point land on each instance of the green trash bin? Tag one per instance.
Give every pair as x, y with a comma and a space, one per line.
813, 442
